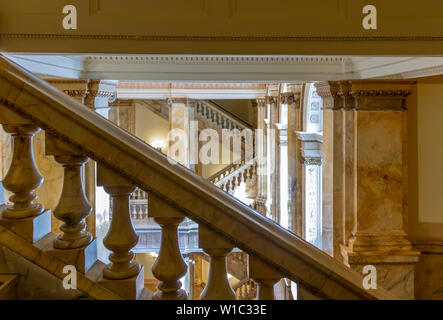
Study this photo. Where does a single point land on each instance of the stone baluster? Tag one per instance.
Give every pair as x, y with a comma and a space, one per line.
23, 177
133, 211
22, 215
121, 237
233, 183
217, 248
73, 207
222, 122
75, 245
265, 277
169, 266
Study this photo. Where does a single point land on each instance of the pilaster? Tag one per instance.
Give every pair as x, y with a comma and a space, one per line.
259, 106
369, 173
293, 98
181, 115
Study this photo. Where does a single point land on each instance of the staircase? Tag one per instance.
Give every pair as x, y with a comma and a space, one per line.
75, 133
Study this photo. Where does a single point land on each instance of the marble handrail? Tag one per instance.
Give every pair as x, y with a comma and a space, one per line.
101, 140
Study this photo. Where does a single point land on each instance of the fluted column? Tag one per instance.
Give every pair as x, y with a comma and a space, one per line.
121, 237
217, 248
265, 276
293, 99
334, 167
170, 266
259, 106
185, 149
23, 176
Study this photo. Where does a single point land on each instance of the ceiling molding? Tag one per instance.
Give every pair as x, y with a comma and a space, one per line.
219, 68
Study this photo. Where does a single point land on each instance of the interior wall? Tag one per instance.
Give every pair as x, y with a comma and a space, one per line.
210, 169
425, 165
149, 125
430, 152
240, 108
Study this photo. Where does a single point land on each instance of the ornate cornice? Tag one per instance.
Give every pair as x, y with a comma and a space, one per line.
75, 93
213, 38
338, 95
381, 93
187, 85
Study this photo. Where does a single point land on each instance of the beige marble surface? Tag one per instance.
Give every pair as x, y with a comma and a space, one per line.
42, 270
181, 188
429, 270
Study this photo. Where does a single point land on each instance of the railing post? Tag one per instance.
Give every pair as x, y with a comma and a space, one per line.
74, 245
121, 237
26, 218
217, 248
169, 266
122, 274
23, 177
73, 207
265, 276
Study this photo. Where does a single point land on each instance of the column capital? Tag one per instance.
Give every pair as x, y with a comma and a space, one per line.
86, 90
289, 97
271, 100
365, 94
259, 103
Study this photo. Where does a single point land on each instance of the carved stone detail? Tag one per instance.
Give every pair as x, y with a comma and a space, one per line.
73, 207
23, 176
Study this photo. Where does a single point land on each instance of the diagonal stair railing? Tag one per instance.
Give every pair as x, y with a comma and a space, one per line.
125, 162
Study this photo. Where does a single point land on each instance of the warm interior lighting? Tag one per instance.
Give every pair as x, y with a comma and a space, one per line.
158, 144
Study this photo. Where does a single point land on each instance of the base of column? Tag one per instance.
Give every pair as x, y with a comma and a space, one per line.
179, 295
129, 289
395, 268
259, 204
32, 229
82, 258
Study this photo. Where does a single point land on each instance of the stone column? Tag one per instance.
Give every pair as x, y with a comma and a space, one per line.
272, 158
259, 106
293, 99
333, 171
373, 147
181, 113
122, 113
282, 141
315, 230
